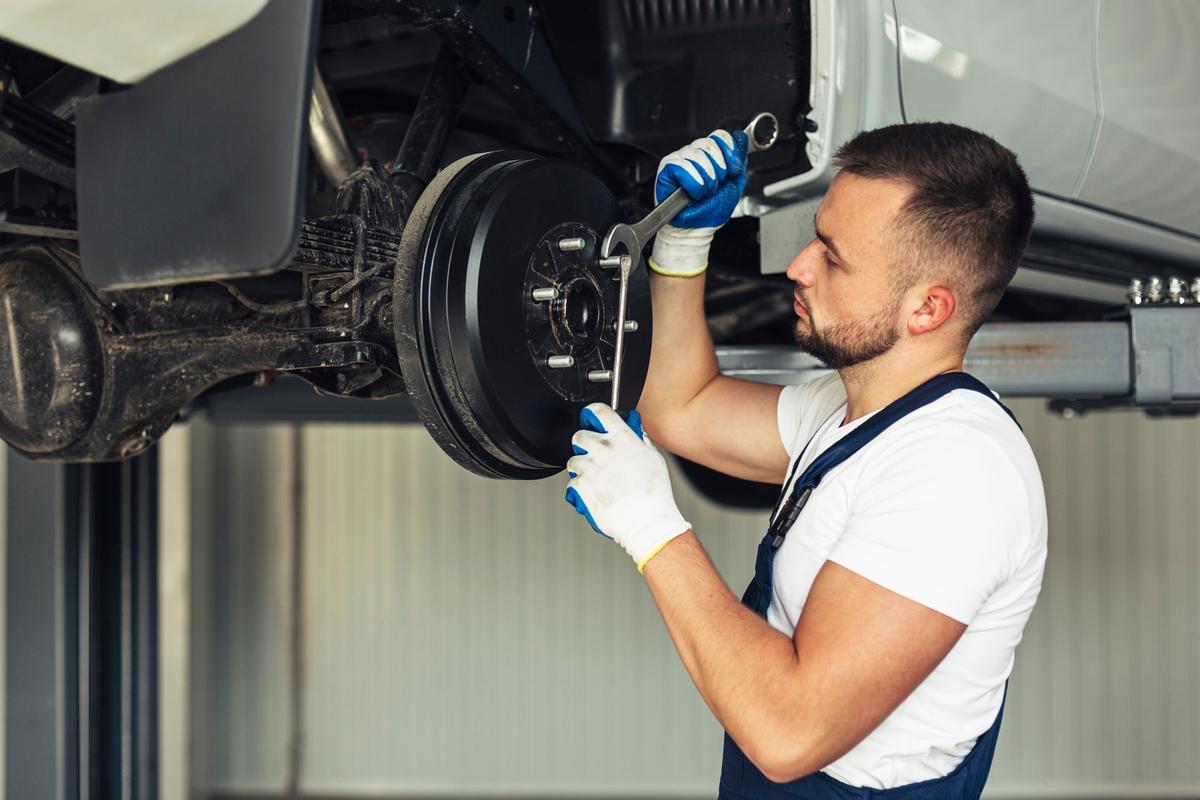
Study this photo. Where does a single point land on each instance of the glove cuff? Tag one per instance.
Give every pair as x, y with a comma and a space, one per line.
681, 252
653, 537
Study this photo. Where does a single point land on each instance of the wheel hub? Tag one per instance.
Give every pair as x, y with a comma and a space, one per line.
505, 322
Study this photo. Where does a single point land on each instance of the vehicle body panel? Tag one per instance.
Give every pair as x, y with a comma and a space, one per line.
1147, 159
1108, 132
148, 35
956, 67
854, 82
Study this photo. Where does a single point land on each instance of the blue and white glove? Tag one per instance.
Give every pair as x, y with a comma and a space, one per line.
619, 482
712, 171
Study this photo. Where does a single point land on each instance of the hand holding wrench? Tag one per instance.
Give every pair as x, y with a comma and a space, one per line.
622, 245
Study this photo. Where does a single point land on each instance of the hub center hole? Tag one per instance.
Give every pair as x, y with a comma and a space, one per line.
581, 309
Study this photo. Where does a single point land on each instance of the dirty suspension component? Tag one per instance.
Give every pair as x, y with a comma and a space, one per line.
87, 376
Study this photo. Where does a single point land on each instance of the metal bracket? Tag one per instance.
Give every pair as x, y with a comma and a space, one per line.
1166, 354
1151, 360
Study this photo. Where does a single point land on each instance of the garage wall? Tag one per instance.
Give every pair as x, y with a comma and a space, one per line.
1104, 698
460, 635
239, 619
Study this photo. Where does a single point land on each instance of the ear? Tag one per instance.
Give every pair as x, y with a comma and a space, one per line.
937, 304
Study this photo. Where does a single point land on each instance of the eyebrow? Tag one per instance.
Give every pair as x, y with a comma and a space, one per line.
826, 240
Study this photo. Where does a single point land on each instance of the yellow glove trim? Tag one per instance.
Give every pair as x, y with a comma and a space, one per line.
641, 565
662, 271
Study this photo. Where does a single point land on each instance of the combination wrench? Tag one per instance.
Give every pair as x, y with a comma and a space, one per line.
622, 245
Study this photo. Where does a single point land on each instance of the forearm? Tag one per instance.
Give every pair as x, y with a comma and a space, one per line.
744, 669
682, 358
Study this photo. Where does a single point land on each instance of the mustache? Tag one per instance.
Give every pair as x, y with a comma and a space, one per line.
798, 293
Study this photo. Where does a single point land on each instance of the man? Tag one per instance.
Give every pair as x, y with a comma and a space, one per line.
875, 643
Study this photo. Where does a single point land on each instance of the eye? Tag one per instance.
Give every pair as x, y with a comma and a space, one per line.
829, 260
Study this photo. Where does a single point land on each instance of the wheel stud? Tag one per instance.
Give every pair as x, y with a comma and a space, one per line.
568, 245
543, 294
600, 376
613, 262
560, 362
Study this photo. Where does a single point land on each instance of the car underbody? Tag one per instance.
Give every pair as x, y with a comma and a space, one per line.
374, 197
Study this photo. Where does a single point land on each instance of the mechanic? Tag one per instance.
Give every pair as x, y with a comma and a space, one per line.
870, 655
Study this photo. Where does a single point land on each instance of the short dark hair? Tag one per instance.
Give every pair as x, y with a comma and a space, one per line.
971, 207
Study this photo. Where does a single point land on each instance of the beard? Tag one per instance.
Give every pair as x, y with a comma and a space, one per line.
847, 344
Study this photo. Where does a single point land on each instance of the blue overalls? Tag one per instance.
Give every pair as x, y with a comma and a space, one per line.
740, 779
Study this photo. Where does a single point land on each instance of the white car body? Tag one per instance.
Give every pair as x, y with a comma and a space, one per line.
1096, 97
123, 40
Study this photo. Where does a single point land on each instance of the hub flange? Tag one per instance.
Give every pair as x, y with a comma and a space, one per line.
486, 364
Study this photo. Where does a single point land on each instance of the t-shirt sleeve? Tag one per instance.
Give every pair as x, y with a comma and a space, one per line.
940, 516
802, 409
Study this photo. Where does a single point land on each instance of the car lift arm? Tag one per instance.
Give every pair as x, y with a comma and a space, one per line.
1150, 360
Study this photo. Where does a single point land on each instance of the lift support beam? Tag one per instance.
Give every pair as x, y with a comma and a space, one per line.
1150, 360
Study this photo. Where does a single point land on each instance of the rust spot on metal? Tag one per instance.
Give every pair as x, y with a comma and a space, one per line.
1040, 350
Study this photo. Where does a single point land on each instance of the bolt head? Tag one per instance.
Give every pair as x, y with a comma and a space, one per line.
135, 446
1136, 293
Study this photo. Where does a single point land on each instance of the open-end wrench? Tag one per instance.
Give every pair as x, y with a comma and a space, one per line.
622, 245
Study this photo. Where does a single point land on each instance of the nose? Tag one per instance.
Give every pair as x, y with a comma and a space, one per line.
801, 270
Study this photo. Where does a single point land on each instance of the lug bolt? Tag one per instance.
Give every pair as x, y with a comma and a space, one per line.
600, 376
560, 362
544, 294
631, 326
1137, 292
568, 245
613, 262
1154, 292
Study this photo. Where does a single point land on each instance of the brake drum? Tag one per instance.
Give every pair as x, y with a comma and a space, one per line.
475, 347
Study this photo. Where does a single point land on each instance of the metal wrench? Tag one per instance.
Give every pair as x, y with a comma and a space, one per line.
762, 130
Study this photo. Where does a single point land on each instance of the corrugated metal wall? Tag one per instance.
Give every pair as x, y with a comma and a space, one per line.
1105, 698
460, 635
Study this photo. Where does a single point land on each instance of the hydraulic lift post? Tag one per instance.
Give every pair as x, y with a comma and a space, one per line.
81, 630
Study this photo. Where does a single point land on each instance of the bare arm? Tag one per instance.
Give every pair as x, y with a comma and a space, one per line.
796, 705
690, 408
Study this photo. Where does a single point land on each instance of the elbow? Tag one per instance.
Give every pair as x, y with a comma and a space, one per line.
785, 760
659, 430
785, 771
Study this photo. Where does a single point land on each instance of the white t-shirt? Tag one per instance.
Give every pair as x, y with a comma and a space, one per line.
945, 507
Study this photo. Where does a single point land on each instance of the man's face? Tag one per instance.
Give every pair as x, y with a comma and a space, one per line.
847, 306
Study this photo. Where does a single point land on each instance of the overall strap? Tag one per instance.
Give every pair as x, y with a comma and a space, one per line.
923, 395
933, 389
